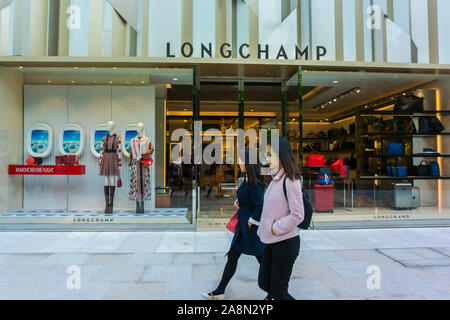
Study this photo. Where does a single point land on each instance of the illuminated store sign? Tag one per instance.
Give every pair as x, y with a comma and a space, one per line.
187, 50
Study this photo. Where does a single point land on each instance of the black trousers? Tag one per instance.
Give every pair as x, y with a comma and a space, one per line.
229, 271
276, 268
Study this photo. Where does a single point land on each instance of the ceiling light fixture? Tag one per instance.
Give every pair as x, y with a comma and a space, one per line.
340, 96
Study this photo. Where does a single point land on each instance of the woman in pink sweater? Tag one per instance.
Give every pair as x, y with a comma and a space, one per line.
279, 220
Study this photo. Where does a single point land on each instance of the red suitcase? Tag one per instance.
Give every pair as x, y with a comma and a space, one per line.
324, 198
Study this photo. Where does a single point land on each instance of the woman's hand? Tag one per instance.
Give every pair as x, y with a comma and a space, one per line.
250, 224
236, 204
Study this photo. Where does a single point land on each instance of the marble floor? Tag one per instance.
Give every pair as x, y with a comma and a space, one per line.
398, 264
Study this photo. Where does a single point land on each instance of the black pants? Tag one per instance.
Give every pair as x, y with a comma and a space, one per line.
276, 268
229, 271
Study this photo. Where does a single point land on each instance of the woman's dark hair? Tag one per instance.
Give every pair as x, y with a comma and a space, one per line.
253, 170
287, 158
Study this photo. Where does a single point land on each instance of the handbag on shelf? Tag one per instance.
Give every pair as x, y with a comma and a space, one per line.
409, 103
402, 172
232, 224
344, 172
67, 160
435, 170
395, 149
423, 169
324, 176
315, 160
336, 166
430, 125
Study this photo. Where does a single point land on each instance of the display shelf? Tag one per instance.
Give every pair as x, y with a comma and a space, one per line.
421, 155
402, 178
403, 135
34, 170
406, 114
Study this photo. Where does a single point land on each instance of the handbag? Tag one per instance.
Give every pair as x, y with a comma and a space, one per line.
409, 103
336, 166
324, 177
423, 169
119, 183
402, 172
232, 224
395, 149
315, 160
435, 170
344, 172
430, 125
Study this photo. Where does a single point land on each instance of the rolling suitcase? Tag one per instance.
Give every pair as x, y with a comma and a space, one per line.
402, 197
415, 197
324, 198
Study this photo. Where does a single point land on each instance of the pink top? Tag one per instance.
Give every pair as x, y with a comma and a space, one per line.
277, 212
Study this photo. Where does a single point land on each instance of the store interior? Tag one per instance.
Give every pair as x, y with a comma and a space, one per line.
341, 119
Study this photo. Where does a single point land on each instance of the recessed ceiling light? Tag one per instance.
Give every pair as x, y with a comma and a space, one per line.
73, 81
323, 107
175, 79
95, 81
75, 67
49, 81
335, 100
366, 107
128, 82
110, 82
114, 68
21, 67
143, 81
185, 109
252, 110
335, 81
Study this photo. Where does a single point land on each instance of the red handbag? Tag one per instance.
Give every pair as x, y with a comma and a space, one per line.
232, 224
336, 166
315, 160
119, 183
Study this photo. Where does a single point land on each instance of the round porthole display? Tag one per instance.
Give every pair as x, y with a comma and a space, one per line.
97, 135
128, 133
39, 140
71, 140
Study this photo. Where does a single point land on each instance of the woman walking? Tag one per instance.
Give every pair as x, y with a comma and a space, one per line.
250, 197
279, 221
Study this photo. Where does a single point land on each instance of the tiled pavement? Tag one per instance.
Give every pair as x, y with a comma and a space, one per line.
414, 264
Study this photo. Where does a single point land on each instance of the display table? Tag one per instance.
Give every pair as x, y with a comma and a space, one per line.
33, 170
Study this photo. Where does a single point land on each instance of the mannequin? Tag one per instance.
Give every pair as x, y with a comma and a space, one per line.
110, 163
141, 148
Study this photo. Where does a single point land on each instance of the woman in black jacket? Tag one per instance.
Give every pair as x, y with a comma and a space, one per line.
250, 199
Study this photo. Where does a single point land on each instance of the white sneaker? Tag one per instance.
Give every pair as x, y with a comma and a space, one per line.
210, 296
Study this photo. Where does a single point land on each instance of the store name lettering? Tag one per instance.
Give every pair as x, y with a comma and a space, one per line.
187, 50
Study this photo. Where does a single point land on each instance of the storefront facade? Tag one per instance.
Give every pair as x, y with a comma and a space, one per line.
326, 74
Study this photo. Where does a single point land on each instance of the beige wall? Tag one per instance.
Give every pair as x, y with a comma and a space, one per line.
11, 137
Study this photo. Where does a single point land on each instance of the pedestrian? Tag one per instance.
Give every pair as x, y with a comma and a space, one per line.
249, 202
279, 220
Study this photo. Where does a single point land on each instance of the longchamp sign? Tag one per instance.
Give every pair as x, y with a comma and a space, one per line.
187, 50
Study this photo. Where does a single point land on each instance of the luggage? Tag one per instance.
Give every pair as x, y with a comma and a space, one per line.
324, 198
415, 197
402, 196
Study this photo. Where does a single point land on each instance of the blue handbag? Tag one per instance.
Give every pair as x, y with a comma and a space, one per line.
435, 170
395, 149
324, 177
402, 172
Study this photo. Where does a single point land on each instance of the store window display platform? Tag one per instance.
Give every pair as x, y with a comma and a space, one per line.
156, 216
